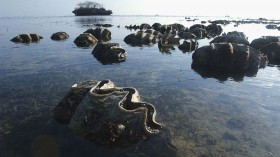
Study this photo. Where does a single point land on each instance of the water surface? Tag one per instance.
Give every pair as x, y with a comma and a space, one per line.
203, 115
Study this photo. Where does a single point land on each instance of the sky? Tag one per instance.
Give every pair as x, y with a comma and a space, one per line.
236, 8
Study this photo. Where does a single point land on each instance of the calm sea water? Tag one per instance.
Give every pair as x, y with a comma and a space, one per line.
205, 115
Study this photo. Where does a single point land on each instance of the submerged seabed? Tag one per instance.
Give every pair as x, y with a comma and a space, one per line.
203, 116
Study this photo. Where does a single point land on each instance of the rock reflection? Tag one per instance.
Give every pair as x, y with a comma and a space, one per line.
219, 75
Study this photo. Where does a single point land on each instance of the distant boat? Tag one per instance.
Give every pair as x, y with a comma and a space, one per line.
91, 11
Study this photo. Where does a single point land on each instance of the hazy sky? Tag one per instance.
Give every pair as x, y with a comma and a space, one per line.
236, 8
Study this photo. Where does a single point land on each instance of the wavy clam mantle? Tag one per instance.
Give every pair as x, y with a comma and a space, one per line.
91, 11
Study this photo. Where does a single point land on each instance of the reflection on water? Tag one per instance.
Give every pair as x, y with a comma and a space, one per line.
203, 114
91, 20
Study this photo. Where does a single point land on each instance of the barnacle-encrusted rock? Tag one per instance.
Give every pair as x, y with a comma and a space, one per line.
85, 40
236, 33
264, 40
186, 35
140, 38
214, 30
272, 51
109, 53
107, 115
167, 42
188, 45
228, 57
230, 39
59, 36
102, 34
27, 38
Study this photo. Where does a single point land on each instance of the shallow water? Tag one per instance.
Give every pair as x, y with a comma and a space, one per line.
204, 115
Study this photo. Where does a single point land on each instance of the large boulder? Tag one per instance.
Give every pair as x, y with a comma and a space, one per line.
264, 40
230, 39
59, 36
27, 38
108, 53
102, 34
140, 38
85, 40
228, 57
272, 51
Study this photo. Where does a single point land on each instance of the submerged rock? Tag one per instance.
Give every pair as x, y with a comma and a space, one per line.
27, 38
59, 36
235, 124
85, 40
107, 115
109, 53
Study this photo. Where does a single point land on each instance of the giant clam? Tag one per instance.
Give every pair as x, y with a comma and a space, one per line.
107, 115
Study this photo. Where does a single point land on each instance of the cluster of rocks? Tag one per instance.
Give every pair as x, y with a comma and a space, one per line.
169, 35
104, 51
270, 24
232, 53
29, 38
